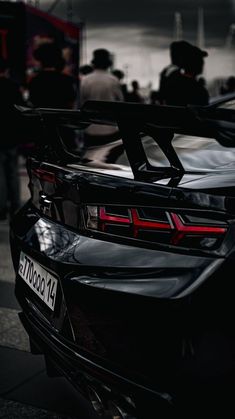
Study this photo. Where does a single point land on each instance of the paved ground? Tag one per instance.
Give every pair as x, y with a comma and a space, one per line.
25, 389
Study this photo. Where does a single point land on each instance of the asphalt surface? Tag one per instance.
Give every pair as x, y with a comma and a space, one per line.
25, 389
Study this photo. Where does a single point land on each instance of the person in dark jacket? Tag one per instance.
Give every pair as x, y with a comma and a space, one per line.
179, 83
173, 70
120, 75
134, 95
50, 88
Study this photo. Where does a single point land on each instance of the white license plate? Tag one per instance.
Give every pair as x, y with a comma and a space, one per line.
38, 279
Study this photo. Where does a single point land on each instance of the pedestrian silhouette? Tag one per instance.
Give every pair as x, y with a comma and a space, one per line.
170, 74
104, 86
179, 83
134, 95
10, 137
120, 76
51, 88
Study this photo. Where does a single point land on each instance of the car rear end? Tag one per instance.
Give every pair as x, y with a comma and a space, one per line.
122, 272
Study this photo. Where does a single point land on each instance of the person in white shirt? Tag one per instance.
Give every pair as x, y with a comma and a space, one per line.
100, 85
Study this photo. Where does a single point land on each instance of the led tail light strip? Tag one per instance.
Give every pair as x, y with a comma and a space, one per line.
173, 224
182, 229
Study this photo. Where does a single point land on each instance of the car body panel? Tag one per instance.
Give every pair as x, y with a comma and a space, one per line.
141, 317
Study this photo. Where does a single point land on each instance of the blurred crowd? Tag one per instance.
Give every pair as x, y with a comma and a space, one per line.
50, 85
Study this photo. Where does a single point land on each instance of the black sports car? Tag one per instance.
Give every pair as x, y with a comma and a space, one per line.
124, 255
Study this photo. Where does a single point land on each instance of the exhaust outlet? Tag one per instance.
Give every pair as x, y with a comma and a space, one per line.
107, 409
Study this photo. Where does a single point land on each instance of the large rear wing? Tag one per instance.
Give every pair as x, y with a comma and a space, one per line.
160, 122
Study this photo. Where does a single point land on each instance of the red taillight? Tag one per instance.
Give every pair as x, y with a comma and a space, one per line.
139, 223
110, 219
181, 229
103, 216
156, 225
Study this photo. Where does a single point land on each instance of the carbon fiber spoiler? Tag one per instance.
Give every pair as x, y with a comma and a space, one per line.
160, 122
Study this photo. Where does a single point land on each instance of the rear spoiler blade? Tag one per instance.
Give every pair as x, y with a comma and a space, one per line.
160, 122
101, 112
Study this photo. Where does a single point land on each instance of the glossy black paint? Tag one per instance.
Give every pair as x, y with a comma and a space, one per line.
137, 319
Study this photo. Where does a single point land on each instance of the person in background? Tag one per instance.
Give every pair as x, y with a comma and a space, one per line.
179, 85
120, 76
103, 86
9, 177
172, 72
134, 95
50, 88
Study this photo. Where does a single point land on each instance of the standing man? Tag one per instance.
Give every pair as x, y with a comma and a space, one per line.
50, 88
170, 74
100, 85
134, 95
179, 83
119, 74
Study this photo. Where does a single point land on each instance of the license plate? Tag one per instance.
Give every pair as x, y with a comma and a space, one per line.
38, 279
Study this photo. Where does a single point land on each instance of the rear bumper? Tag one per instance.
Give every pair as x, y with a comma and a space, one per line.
85, 373
111, 328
